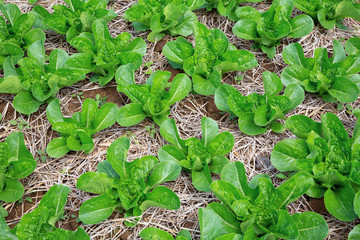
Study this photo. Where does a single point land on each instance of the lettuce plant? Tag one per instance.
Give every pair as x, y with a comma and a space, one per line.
354, 233
127, 186
162, 17
77, 131
209, 60
17, 34
257, 210
109, 53
151, 99
75, 18
200, 157
152, 233
40, 223
325, 151
16, 162
266, 29
257, 113
334, 79
330, 13
36, 82
227, 8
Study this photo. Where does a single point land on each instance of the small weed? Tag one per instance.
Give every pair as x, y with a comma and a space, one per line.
78, 95
20, 123
42, 157
100, 100
148, 65
151, 130
239, 78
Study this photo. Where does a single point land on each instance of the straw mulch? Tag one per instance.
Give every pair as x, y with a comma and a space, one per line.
254, 152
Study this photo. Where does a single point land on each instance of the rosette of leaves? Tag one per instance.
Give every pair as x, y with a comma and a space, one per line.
109, 53
334, 79
131, 187
257, 210
161, 17
257, 113
330, 13
199, 157
77, 131
40, 223
17, 34
16, 162
209, 60
227, 8
75, 18
151, 99
36, 81
266, 29
152, 233
325, 151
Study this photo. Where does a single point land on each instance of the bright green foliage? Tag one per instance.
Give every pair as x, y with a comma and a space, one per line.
257, 210
127, 186
268, 28
151, 99
355, 232
16, 35
330, 12
109, 53
325, 151
257, 112
227, 8
16, 162
77, 131
209, 60
152, 233
334, 79
161, 17
40, 223
36, 82
75, 18
200, 157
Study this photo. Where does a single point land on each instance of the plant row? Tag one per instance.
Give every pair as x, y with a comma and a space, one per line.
321, 163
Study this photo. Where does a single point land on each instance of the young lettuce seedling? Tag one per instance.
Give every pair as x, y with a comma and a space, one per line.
268, 28
227, 8
16, 162
257, 112
36, 82
17, 34
330, 13
75, 18
162, 17
152, 233
40, 223
77, 131
257, 210
127, 186
325, 151
209, 60
334, 79
109, 53
151, 99
200, 157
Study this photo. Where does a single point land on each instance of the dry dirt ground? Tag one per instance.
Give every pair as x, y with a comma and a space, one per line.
254, 152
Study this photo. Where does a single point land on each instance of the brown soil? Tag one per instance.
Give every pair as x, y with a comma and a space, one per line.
318, 205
